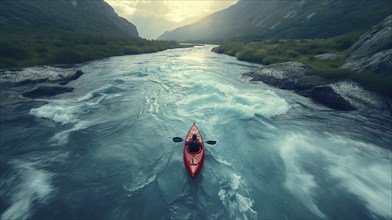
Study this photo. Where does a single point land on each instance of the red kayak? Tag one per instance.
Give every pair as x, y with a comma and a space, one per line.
193, 160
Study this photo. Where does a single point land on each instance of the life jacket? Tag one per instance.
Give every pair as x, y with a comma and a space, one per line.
194, 146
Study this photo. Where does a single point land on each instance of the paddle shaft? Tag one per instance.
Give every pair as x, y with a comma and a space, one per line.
178, 139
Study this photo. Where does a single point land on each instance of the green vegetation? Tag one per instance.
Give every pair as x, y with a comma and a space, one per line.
303, 51
30, 49
268, 52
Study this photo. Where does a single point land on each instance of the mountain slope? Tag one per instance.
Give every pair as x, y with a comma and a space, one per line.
49, 32
258, 20
70, 17
373, 51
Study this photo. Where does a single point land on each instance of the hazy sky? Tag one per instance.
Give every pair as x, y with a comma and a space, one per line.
153, 17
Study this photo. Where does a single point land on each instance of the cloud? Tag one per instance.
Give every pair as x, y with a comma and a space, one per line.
124, 8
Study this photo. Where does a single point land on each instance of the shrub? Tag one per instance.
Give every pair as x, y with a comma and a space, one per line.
66, 56
129, 50
59, 43
13, 51
292, 54
41, 49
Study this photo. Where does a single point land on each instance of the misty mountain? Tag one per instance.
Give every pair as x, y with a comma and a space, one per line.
151, 27
286, 19
64, 17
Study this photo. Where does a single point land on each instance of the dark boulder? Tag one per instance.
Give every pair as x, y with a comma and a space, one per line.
328, 97
47, 91
30, 81
69, 78
288, 75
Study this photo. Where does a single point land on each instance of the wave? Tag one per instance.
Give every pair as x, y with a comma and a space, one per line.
28, 187
70, 111
139, 184
227, 102
362, 169
62, 137
238, 205
298, 181
220, 160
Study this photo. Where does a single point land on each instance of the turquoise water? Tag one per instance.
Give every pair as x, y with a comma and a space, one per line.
104, 151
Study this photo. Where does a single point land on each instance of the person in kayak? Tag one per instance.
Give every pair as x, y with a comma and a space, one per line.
193, 145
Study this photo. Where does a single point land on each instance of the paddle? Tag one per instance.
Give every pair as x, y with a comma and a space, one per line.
211, 142
178, 139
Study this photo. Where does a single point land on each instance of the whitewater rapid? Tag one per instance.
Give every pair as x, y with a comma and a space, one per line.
104, 151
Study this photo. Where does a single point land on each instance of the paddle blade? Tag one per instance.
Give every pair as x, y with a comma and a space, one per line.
177, 139
211, 142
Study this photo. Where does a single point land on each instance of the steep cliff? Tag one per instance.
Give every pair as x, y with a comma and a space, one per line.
69, 17
373, 51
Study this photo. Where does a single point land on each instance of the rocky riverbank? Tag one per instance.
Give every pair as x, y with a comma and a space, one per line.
40, 82
372, 52
338, 95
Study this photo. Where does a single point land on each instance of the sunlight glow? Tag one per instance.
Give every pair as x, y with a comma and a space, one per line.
171, 10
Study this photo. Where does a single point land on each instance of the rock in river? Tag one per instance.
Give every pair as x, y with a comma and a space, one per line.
67, 79
292, 76
288, 75
327, 96
47, 91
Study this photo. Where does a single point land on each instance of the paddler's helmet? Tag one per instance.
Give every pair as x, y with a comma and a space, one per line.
194, 137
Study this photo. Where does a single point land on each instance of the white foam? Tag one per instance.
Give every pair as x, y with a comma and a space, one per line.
233, 103
298, 181
57, 112
70, 111
139, 183
32, 187
62, 137
365, 170
362, 169
64, 112
220, 160
238, 206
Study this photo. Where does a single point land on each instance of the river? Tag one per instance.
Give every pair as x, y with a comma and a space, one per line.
105, 150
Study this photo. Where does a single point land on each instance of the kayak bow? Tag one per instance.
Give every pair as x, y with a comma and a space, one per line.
193, 161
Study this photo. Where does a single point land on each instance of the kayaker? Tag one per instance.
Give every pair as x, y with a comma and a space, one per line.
193, 145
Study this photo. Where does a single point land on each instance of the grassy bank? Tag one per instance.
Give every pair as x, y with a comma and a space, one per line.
303, 51
29, 50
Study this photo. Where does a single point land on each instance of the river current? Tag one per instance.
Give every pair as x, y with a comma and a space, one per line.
105, 150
